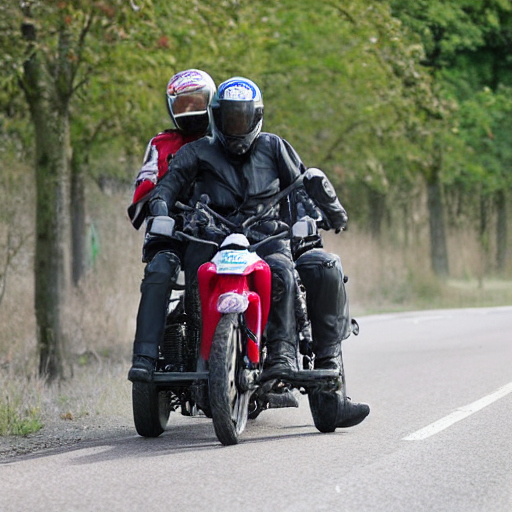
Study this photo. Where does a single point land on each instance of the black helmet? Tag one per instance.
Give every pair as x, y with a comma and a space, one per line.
189, 94
237, 114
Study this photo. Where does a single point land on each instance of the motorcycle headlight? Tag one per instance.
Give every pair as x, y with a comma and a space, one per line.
232, 303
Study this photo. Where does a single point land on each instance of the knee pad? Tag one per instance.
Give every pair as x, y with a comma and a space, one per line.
283, 277
162, 269
321, 273
318, 263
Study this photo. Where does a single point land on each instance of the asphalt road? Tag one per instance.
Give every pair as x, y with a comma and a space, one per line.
439, 438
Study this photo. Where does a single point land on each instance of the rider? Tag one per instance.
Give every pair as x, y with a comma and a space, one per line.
189, 94
239, 168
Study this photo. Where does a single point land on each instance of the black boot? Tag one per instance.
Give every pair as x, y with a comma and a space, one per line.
350, 413
142, 369
281, 360
335, 410
331, 411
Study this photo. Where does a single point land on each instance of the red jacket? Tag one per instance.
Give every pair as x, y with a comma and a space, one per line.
159, 152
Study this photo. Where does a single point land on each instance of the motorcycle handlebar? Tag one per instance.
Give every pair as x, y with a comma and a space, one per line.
245, 225
191, 238
252, 248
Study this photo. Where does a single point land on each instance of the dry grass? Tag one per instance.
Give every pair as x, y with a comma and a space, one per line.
386, 277
101, 313
383, 277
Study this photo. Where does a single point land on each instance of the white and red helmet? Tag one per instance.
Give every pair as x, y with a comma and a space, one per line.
189, 94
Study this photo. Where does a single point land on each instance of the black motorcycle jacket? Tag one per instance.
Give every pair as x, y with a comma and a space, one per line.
237, 186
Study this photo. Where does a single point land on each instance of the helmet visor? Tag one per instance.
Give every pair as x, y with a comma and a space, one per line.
190, 104
235, 118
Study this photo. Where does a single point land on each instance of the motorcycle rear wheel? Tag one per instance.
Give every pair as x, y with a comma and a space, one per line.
151, 409
323, 407
229, 405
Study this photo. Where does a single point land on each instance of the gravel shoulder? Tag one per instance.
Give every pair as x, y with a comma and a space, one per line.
59, 434
93, 406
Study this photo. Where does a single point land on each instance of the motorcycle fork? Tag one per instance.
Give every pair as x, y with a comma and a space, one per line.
247, 373
247, 333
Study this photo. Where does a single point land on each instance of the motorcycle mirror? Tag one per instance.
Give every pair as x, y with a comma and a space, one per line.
304, 228
162, 225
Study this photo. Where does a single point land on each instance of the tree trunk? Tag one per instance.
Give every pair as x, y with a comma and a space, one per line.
501, 231
438, 246
50, 116
52, 244
377, 209
483, 240
78, 221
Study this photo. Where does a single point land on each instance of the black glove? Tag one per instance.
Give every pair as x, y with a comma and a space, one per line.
158, 207
321, 191
325, 224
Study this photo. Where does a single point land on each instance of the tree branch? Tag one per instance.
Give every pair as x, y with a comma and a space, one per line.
11, 252
343, 12
80, 49
339, 140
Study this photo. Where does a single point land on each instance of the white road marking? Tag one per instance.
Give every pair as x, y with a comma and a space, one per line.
459, 414
420, 319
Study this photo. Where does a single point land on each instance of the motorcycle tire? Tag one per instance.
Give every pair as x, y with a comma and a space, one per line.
151, 409
229, 406
323, 407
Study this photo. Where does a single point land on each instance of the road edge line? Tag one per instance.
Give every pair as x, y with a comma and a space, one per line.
459, 414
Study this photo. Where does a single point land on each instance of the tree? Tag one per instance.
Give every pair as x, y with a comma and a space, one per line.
46, 51
342, 86
82, 67
467, 45
484, 126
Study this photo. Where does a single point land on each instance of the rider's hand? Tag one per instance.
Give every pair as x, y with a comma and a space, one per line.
158, 207
339, 221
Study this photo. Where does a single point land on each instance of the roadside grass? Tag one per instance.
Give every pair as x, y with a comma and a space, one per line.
383, 277
98, 389
103, 390
101, 313
474, 293
20, 406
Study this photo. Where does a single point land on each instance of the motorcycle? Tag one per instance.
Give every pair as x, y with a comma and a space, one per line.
218, 372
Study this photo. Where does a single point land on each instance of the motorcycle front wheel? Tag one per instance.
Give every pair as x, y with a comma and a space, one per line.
229, 405
151, 409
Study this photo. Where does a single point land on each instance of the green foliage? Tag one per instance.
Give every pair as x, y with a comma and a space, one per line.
467, 45
375, 93
343, 82
342, 86
484, 127
16, 418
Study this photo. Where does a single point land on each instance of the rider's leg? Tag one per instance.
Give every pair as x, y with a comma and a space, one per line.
195, 255
322, 275
160, 275
281, 339
303, 325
